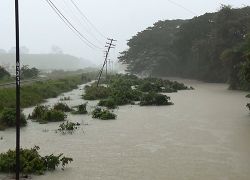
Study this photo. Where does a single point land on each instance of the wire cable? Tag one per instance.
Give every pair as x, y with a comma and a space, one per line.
179, 5
79, 20
85, 18
70, 25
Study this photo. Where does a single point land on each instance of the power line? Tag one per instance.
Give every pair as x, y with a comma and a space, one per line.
85, 17
70, 25
81, 22
179, 5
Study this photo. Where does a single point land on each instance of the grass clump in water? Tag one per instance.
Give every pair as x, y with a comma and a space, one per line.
103, 114
32, 162
248, 106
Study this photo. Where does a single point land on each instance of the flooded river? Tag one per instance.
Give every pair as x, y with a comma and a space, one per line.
204, 136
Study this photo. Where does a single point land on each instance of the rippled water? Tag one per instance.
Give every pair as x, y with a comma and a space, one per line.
204, 136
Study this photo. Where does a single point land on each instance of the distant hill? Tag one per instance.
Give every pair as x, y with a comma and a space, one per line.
46, 61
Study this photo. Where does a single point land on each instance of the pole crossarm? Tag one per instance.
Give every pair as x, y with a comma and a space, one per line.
108, 45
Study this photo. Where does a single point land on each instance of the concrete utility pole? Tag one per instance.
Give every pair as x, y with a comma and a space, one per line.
109, 45
18, 111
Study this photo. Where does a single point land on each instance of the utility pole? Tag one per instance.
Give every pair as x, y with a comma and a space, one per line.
18, 111
109, 45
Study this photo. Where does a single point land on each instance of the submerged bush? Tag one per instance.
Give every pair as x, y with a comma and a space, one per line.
39, 112
31, 161
43, 114
248, 106
62, 107
155, 99
94, 93
248, 96
81, 109
103, 114
54, 116
108, 103
68, 127
8, 118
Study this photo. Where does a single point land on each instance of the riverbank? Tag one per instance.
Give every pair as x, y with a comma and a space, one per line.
38, 92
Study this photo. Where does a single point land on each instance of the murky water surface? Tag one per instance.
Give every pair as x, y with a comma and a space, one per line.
204, 136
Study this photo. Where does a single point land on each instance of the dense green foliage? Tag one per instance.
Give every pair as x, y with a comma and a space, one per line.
31, 161
213, 47
155, 99
8, 118
62, 107
103, 114
27, 73
127, 89
44, 114
108, 103
93, 92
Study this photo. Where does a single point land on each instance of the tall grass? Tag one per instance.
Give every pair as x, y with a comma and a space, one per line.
39, 91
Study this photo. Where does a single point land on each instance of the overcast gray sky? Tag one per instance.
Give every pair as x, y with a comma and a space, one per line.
40, 27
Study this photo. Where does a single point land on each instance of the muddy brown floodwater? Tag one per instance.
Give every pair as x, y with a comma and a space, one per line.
204, 136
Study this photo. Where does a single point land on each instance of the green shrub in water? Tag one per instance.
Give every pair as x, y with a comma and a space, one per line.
54, 116
8, 118
68, 127
248, 106
108, 103
62, 107
103, 114
32, 162
155, 99
81, 109
94, 93
43, 114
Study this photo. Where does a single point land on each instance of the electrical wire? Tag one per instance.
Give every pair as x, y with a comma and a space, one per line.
81, 24
71, 26
86, 19
179, 5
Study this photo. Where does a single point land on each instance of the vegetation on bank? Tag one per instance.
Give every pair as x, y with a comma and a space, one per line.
4, 75
103, 114
214, 47
39, 91
8, 118
32, 162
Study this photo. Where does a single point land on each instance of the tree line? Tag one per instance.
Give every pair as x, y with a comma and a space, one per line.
214, 47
